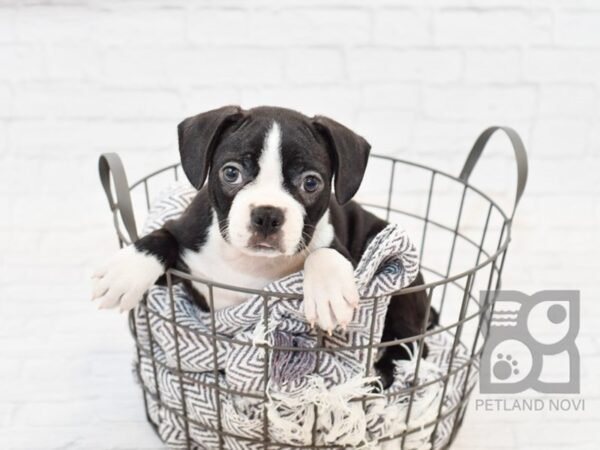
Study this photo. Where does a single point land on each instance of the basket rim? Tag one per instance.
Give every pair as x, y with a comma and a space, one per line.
505, 238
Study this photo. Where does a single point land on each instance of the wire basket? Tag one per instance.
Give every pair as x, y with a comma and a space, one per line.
462, 236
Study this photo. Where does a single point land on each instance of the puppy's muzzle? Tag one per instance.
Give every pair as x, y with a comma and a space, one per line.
266, 221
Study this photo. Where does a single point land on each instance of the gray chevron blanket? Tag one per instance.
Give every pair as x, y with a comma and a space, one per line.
296, 390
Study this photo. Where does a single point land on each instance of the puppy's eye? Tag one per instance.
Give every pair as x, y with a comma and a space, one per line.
231, 174
311, 183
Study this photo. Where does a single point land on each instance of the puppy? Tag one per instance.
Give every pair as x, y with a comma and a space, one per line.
266, 211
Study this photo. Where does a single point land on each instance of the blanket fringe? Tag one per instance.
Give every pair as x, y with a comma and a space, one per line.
339, 420
262, 335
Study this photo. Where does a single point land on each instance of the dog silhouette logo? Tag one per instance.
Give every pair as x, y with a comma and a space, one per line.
531, 342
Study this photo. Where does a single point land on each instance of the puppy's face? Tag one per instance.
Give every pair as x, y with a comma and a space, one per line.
270, 183
270, 173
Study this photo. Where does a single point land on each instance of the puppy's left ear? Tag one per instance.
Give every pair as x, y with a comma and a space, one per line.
350, 152
198, 137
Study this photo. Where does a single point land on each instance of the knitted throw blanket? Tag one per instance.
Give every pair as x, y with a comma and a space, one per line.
330, 392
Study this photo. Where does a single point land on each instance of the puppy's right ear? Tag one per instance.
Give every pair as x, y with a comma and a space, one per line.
199, 136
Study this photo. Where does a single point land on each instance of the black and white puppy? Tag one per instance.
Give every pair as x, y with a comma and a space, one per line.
266, 211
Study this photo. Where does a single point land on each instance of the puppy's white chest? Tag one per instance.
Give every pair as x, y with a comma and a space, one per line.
236, 270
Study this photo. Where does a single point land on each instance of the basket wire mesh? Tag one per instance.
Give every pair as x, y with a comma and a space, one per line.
480, 233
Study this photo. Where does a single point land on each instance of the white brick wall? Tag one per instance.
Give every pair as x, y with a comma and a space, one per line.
418, 79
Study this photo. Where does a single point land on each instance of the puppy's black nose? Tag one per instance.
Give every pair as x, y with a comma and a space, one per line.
266, 220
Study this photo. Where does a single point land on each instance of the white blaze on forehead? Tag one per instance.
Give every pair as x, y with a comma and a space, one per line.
267, 189
269, 163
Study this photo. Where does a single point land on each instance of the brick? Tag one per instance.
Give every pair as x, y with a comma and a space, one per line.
578, 5
25, 62
140, 104
8, 32
560, 65
391, 95
278, 27
493, 66
206, 26
492, 28
76, 61
492, 5
545, 433
125, 435
60, 437
11, 367
196, 100
127, 66
309, 27
578, 28
36, 368
567, 100
6, 96
3, 138
56, 25
561, 137
442, 137
160, 27
44, 100
595, 142
203, 67
390, 65
66, 136
404, 27
313, 4
388, 131
340, 101
582, 174
6, 411
314, 66
538, 212
498, 103
136, 135
53, 413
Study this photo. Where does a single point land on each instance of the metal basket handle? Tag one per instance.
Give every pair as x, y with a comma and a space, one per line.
109, 164
520, 156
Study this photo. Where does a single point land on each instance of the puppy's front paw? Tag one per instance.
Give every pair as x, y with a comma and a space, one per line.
330, 294
123, 281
